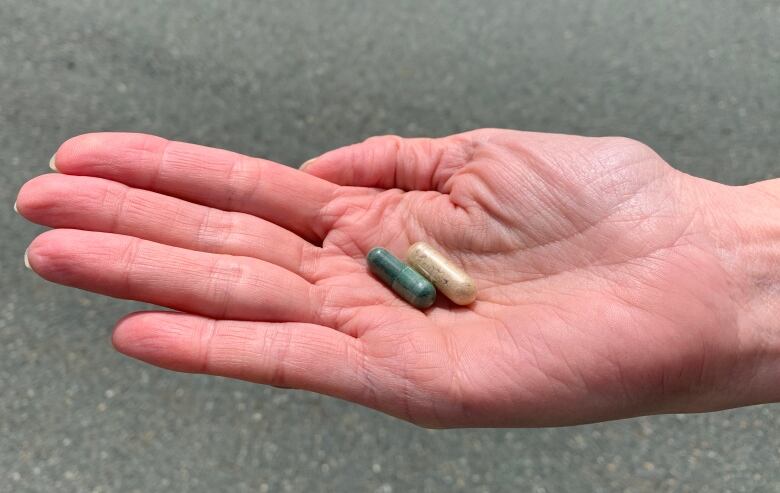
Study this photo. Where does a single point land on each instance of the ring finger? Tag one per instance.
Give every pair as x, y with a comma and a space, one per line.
213, 285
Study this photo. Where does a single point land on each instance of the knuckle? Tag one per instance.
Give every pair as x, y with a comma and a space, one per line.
225, 277
126, 259
309, 258
116, 200
328, 310
276, 346
205, 343
216, 229
244, 177
626, 146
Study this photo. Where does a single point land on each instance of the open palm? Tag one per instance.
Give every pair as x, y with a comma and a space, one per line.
601, 291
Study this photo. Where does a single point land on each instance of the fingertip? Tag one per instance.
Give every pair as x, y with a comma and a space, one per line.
159, 338
121, 336
333, 166
96, 152
44, 253
306, 164
126, 332
40, 251
36, 196
67, 256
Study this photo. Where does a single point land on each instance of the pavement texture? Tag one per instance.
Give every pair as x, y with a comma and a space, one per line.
698, 80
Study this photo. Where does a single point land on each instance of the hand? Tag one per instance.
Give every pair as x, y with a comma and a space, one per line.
610, 285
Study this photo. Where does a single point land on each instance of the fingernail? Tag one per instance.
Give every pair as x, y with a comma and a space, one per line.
26, 260
303, 166
15, 209
52, 164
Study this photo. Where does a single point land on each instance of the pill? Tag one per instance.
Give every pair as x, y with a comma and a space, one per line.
442, 272
405, 281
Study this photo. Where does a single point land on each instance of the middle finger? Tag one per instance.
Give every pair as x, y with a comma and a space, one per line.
97, 204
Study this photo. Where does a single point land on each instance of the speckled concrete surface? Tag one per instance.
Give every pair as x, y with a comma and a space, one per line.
697, 80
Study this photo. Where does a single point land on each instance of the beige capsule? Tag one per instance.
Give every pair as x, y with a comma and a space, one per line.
445, 275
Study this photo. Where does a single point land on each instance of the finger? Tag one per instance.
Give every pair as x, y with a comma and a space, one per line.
394, 162
770, 186
295, 355
212, 177
220, 286
97, 204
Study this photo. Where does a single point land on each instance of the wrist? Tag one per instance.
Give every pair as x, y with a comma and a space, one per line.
749, 242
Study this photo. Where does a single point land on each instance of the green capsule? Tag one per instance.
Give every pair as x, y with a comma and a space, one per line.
401, 278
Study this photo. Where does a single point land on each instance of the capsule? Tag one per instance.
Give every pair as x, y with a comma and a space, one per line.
405, 281
445, 275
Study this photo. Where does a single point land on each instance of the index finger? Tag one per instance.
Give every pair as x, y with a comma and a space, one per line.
213, 177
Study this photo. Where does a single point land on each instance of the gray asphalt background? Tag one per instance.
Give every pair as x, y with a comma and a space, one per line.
697, 80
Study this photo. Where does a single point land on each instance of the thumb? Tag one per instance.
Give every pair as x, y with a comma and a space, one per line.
390, 161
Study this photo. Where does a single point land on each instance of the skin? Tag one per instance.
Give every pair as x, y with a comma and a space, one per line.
610, 284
